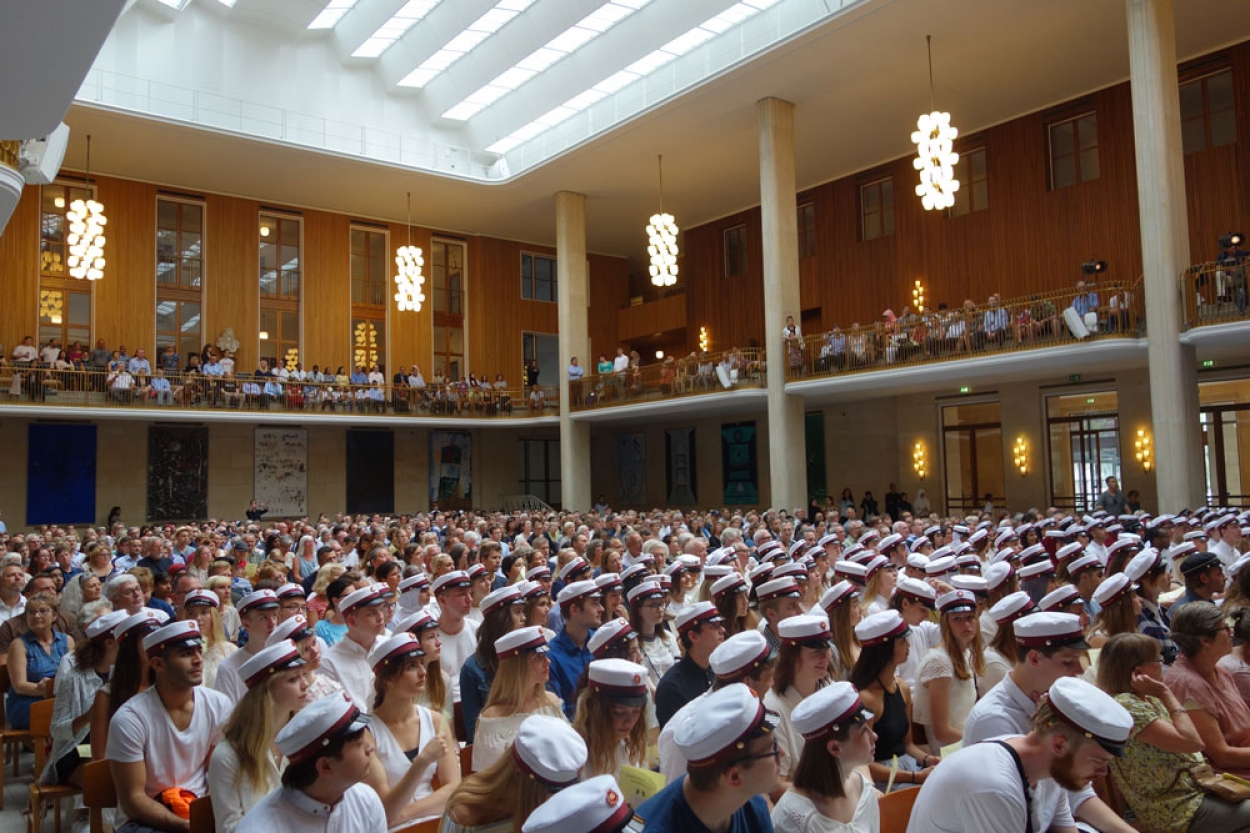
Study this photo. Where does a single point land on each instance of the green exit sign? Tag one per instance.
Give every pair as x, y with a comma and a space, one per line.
1208, 363
1089, 401
1075, 377
965, 389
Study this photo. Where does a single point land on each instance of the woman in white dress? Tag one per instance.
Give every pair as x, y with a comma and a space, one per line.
413, 743
946, 688
246, 765
830, 795
609, 716
519, 690
802, 668
646, 617
203, 607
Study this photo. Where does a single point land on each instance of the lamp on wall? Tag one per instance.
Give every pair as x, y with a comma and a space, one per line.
408, 277
1232, 240
1142, 449
662, 241
934, 138
705, 339
1020, 455
86, 233
1094, 267
919, 462
917, 297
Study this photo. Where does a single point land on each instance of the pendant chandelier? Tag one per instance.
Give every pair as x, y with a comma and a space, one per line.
662, 241
408, 278
934, 138
86, 233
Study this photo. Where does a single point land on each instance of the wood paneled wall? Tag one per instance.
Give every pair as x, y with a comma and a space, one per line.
660, 316
326, 290
231, 274
131, 258
19, 261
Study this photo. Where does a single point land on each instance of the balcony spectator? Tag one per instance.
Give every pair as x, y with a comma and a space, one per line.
161, 391
227, 362
400, 391
858, 345
139, 366
1112, 501
576, 373
251, 391
376, 376
502, 396
995, 323
121, 386
792, 338
169, 359
25, 354
536, 399
706, 370
1085, 303
620, 368
229, 390
98, 364
50, 351
531, 373
270, 393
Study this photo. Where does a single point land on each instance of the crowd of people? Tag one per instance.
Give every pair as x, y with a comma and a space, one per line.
771, 670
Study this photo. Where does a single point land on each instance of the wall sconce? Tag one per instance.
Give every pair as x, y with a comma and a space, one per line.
264, 335
919, 461
917, 297
1020, 455
659, 354
705, 339
1143, 450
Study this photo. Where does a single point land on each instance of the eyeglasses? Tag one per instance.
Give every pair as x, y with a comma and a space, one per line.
775, 753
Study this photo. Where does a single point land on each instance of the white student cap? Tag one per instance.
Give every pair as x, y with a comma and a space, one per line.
732, 583
1085, 562
509, 594
543, 571
184, 634
453, 578
761, 573
1142, 564
829, 710
414, 582
1037, 569
973, 584
996, 575
394, 648
1181, 550
697, 614
849, 570
740, 654
1011, 607
205, 598
645, 590
1030, 551
1092, 712
1121, 543
317, 725
578, 590
260, 600
533, 638
415, 622
1049, 630
271, 659
940, 566
807, 630
728, 720
575, 565
607, 635
295, 629
476, 571
917, 561
290, 590
796, 570
374, 594
1055, 599
1112, 588
549, 750
836, 595
608, 581
593, 806
917, 591
140, 624
103, 625
957, 601
889, 541
778, 588
619, 679
880, 628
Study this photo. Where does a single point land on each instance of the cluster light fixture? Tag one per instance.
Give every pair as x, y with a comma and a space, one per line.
408, 278
934, 138
919, 461
1020, 455
1143, 450
705, 339
86, 233
662, 240
917, 297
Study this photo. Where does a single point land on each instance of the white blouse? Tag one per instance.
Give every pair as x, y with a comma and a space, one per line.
659, 653
75, 694
396, 762
231, 792
494, 735
963, 693
795, 813
789, 740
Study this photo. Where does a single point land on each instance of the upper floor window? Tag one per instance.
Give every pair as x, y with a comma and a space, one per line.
179, 244
735, 245
876, 208
974, 190
1074, 151
1208, 113
53, 228
807, 230
280, 256
538, 277
368, 267
447, 276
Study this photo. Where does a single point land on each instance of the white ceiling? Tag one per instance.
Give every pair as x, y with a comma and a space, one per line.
858, 83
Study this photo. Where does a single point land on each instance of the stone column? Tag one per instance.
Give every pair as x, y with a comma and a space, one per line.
787, 458
573, 297
1165, 254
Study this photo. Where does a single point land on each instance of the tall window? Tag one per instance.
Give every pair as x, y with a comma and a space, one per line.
545, 347
538, 277
735, 245
64, 303
281, 258
1084, 432
448, 279
1074, 151
1225, 420
1208, 114
974, 189
876, 208
540, 469
179, 275
972, 456
369, 269
807, 229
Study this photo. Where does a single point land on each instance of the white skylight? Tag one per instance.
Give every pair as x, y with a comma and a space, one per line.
566, 43
332, 14
177, 5
639, 69
465, 42
395, 28
228, 3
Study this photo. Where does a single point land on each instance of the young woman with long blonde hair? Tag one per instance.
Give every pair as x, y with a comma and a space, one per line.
610, 716
203, 607
519, 690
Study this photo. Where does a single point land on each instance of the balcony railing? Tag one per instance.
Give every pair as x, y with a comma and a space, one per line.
672, 378
40, 385
1215, 292
1108, 310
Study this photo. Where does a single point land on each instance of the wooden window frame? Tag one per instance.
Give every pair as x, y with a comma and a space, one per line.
282, 302
1075, 120
68, 187
532, 282
382, 287
178, 285
876, 182
739, 228
283, 274
807, 238
1201, 80
966, 190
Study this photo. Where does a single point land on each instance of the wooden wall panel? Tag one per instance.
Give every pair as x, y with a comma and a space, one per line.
609, 293
125, 299
655, 317
19, 273
497, 316
232, 274
326, 290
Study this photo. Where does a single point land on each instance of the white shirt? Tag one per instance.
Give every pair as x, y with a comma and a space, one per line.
620, 364
457, 648
1098, 551
25, 353
672, 761
1225, 551
396, 762
921, 637
7, 612
232, 793
291, 811
142, 732
348, 663
789, 741
228, 681
795, 813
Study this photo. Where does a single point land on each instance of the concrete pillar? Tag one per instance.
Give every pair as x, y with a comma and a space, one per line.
1165, 254
787, 458
573, 296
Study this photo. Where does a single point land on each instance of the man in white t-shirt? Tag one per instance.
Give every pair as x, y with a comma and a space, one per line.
259, 613
26, 352
347, 662
161, 739
453, 592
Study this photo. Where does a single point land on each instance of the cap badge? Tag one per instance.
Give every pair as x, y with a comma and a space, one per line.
613, 798
637, 678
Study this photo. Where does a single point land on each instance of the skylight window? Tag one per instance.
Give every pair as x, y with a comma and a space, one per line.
465, 42
395, 28
176, 5
639, 69
562, 45
332, 14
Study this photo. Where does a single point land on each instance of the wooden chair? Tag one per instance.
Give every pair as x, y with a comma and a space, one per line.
40, 794
896, 810
12, 740
98, 792
457, 723
201, 816
466, 761
427, 826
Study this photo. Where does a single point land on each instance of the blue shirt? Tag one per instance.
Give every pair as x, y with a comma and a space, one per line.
668, 811
1084, 303
160, 383
475, 684
137, 365
567, 664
